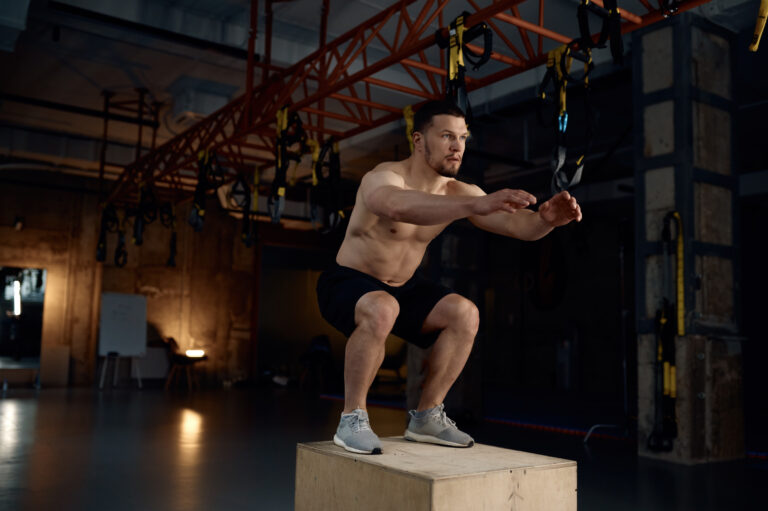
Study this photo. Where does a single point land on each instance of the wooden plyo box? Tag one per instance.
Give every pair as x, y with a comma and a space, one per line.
424, 477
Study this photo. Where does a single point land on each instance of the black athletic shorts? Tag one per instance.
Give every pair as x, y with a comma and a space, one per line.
339, 288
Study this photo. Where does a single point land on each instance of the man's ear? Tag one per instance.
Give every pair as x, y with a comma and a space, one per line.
417, 138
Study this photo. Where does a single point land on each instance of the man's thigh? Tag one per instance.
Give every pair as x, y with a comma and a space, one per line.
416, 305
338, 292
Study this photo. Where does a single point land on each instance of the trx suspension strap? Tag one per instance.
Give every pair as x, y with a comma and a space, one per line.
168, 219
559, 63
121, 254
611, 28
670, 321
458, 37
762, 14
330, 185
669, 7
314, 194
109, 223
146, 213
241, 195
197, 213
289, 131
210, 175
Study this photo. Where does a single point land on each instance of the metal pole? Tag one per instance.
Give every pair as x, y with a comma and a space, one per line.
156, 114
141, 92
324, 72
103, 157
268, 43
249, 71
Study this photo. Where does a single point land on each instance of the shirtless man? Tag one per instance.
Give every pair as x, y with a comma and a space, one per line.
374, 288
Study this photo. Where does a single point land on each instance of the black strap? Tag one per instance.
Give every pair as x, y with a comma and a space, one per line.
458, 37
121, 254
328, 193
290, 130
197, 212
610, 30
109, 223
565, 173
669, 7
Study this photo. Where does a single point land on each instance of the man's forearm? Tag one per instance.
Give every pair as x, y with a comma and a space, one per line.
528, 225
420, 208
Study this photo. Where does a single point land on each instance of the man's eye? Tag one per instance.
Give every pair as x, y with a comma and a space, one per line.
446, 136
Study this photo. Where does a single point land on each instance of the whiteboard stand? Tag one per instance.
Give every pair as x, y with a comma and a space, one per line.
122, 332
115, 358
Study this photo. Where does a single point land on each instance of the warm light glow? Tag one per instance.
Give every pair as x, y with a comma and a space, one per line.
191, 426
10, 429
195, 353
16, 298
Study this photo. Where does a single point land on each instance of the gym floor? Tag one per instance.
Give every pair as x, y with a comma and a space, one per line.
80, 449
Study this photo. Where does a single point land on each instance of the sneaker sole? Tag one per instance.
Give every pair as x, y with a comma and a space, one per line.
429, 439
338, 441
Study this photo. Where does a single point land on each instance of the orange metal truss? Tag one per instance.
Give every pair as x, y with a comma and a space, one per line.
242, 133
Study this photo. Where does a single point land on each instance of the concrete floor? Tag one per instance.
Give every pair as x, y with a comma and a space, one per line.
235, 450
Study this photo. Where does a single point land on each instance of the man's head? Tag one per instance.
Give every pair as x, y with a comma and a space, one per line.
439, 135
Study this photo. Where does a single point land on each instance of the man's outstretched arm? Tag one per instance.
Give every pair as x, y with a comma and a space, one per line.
525, 224
384, 195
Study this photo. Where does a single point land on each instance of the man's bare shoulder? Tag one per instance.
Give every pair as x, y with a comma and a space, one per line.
456, 187
385, 174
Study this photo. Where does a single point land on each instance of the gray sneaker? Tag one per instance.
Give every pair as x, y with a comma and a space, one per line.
434, 427
355, 434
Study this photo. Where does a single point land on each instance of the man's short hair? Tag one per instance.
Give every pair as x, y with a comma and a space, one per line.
422, 119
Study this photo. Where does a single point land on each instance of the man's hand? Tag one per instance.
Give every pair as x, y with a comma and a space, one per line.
560, 210
503, 200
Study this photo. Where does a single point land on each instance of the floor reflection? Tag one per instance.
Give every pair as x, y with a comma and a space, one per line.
235, 450
188, 464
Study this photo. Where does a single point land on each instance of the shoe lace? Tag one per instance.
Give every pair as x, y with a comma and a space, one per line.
361, 424
440, 416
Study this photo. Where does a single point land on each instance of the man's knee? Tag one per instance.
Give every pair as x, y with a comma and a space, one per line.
463, 315
376, 312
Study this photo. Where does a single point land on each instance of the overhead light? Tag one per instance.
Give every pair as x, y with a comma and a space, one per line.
195, 353
16, 298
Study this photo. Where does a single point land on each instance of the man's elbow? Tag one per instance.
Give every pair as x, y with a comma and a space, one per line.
396, 211
390, 208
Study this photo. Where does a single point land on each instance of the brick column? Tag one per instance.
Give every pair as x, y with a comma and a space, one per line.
683, 109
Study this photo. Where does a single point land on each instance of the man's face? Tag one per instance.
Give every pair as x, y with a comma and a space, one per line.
444, 144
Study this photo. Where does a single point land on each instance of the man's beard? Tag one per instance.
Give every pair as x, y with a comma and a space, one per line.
441, 168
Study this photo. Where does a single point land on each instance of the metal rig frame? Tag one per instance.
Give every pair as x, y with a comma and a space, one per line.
242, 133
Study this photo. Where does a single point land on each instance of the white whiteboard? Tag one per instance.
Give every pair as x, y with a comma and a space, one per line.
123, 325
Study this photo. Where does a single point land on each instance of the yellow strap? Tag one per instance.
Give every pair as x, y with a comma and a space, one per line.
282, 124
282, 120
762, 14
666, 379
408, 115
456, 57
673, 382
680, 276
315, 156
281, 191
553, 61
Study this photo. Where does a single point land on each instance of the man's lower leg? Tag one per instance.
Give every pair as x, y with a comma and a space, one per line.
362, 359
445, 363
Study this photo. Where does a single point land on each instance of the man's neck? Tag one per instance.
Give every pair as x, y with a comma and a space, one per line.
421, 176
